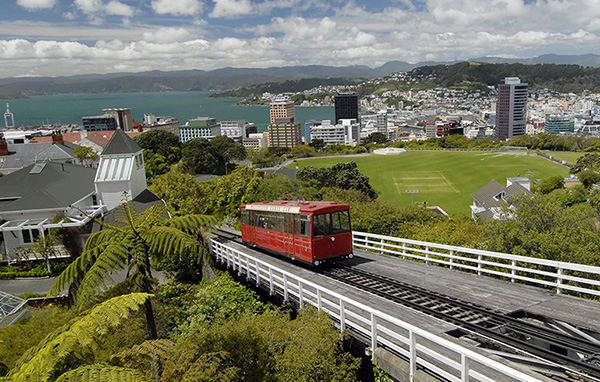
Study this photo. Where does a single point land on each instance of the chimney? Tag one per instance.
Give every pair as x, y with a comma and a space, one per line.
3, 145
57, 138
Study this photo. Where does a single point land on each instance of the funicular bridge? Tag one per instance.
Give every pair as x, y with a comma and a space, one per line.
441, 316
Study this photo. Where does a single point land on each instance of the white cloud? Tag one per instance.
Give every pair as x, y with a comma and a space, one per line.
117, 8
36, 4
96, 9
167, 35
350, 34
231, 8
177, 7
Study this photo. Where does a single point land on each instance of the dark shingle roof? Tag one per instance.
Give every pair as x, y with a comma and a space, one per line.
24, 154
57, 185
139, 204
120, 143
485, 195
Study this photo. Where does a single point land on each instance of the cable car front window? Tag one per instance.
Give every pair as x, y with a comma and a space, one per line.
322, 225
341, 221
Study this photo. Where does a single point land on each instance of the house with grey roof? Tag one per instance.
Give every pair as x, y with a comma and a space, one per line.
494, 201
15, 156
50, 195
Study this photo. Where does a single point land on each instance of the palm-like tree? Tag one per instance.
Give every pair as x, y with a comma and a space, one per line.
136, 243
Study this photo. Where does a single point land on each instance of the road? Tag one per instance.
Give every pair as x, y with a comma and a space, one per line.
43, 285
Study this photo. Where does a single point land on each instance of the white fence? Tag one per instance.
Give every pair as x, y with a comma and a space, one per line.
564, 277
421, 348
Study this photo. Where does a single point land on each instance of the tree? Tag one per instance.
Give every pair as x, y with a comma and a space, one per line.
158, 141
74, 342
377, 138
181, 192
318, 144
341, 175
226, 150
85, 155
303, 151
588, 178
201, 156
170, 244
546, 186
198, 157
590, 161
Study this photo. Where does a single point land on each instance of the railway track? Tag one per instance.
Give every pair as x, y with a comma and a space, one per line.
576, 354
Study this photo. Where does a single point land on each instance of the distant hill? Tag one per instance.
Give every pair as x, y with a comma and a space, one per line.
232, 78
559, 77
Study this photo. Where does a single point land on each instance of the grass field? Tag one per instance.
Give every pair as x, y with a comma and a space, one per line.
568, 156
442, 178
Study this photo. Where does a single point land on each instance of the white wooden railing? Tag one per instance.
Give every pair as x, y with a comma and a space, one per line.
421, 348
562, 276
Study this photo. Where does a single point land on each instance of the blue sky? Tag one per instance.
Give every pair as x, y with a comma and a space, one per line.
63, 37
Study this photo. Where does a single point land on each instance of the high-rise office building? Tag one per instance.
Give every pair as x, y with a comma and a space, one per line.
511, 108
283, 129
346, 106
282, 110
382, 122
123, 117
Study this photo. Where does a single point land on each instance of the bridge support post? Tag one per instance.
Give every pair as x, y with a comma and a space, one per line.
465, 367
479, 265
285, 288
257, 273
373, 335
513, 271
271, 286
559, 273
413, 355
451, 259
300, 295
319, 302
342, 316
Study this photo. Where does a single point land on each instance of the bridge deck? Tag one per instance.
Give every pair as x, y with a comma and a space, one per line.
502, 296
376, 262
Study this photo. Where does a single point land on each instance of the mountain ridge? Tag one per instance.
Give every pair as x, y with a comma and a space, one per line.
232, 77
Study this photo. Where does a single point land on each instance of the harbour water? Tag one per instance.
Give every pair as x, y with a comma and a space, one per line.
68, 109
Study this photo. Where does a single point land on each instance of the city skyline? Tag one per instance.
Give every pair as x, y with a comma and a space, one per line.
65, 37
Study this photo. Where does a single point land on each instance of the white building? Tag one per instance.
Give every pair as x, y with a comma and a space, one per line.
201, 127
51, 195
352, 131
255, 141
382, 122
234, 129
330, 134
167, 123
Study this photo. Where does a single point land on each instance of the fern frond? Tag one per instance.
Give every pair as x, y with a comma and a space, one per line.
76, 340
76, 271
98, 373
101, 237
169, 240
151, 216
111, 260
191, 224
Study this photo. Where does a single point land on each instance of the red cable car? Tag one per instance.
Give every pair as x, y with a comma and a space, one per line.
312, 232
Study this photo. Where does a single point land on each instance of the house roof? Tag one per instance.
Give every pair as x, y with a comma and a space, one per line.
50, 185
121, 143
25, 154
485, 196
139, 204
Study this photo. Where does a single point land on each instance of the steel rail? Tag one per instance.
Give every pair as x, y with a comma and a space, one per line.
517, 333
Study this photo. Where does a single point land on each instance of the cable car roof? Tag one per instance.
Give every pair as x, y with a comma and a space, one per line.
295, 207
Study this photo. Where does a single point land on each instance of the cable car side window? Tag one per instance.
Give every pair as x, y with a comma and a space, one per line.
302, 225
341, 221
322, 225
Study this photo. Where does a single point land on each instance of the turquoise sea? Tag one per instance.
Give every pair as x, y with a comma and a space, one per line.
68, 109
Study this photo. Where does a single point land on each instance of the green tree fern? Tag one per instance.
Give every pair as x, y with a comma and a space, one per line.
75, 341
97, 373
136, 243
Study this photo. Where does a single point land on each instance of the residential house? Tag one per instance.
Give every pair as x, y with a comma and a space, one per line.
494, 201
